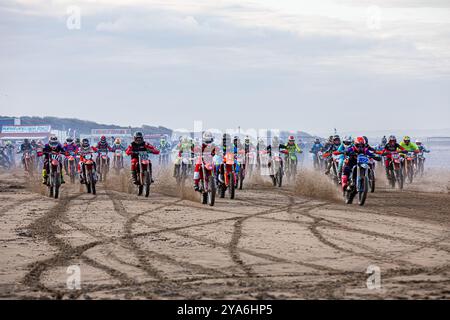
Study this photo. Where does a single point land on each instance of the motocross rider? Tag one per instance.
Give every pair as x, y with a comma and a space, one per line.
117, 145
207, 153
346, 143
133, 149
410, 147
334, 146
9, 149
53, 146
69, 147
359, 147
164, 147
24, 148
102, 146
391, 146
292, 147
421, 147
316, 147
84, 149
184, 146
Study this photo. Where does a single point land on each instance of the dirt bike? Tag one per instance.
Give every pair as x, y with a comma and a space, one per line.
207, 182
164, 158
4, 159
316, 159
88, 173
103, 165
372, 178
184, 168
335, 174
395, 170
227, 176
359, 181
408, 168
28, 162
71, 166
277, 169
291, 166
420, 164
54, 175
240, 169
118, 161
144, 173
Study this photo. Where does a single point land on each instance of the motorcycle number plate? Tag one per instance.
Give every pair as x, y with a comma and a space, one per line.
55, 157
363, 159
229, 158
144, 155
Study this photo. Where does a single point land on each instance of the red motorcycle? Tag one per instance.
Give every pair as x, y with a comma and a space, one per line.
144, 173
103, 165
28, 162
227, 176
71, 165
88, 172
54, 176
118, 161
207, 181
395, 169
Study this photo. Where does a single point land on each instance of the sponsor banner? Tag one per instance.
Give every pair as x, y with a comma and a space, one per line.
26, 129
110, 132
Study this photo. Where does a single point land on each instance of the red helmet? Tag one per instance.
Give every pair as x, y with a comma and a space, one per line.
291, 138
359, 142
103, 138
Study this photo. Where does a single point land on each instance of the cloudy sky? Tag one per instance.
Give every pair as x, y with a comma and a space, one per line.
307, 65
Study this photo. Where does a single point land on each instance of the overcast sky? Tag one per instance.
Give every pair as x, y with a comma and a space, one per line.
306, 65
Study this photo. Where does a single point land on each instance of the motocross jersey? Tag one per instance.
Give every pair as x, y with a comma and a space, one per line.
47, 150
388, 148
353, 152
316, 148
165, 147
411, 147
103, 147
332, 147
134, 147
291, 148
393, 148
86, 150
26, 147
72, 147
185, 147
423, 149
117, 147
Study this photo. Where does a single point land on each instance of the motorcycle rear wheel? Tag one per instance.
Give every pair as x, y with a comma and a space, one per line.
231, 185
211, 195
362, 195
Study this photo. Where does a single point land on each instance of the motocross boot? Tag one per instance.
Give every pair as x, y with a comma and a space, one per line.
81, 178
62, 178
151, 173
134, 177
44, 176
175, 170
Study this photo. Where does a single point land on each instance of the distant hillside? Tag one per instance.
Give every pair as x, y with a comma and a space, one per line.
83, 126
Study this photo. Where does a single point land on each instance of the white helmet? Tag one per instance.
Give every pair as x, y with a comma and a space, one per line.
418, 142
207, 137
